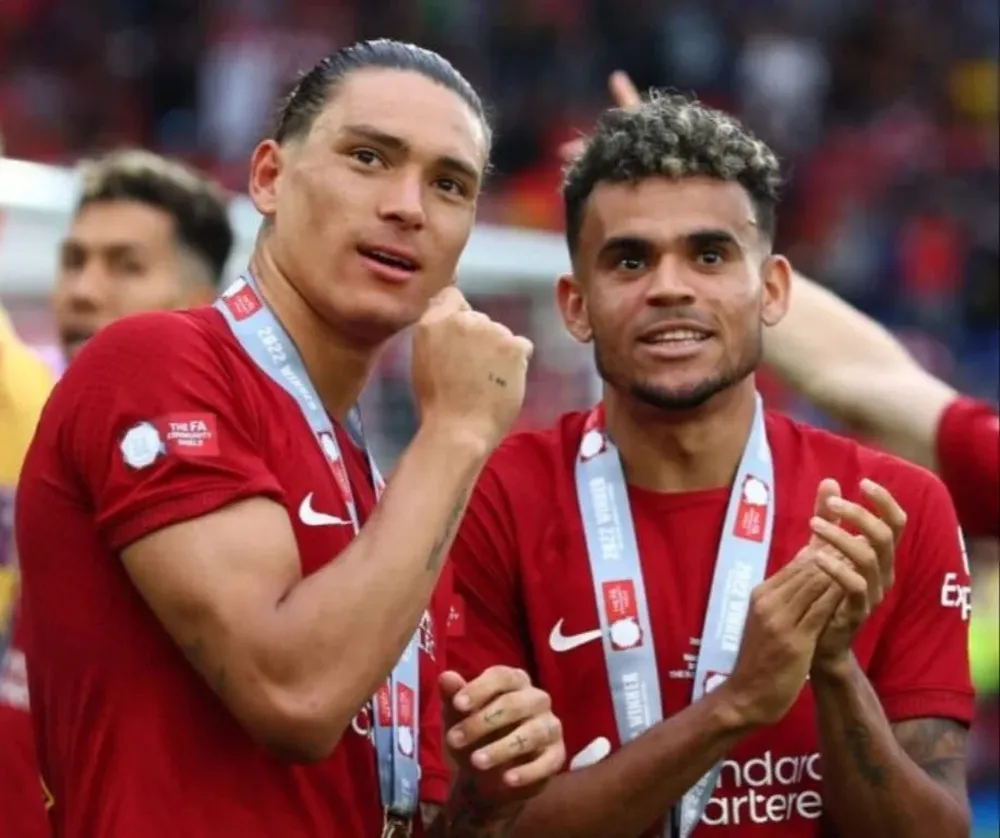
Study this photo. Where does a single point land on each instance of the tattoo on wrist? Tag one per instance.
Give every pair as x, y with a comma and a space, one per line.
471, 815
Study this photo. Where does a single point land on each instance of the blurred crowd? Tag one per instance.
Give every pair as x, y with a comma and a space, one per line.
885, 112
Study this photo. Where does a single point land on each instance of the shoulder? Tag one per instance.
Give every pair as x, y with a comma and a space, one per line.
818, 451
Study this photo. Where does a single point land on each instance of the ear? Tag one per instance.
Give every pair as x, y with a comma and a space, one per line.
573, 308
776, 290
266, 164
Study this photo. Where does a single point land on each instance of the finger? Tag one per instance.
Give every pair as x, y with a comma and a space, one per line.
505, 711
878, 532
525, 347
822, 608
572, 150
449, 683
546, 765
857, 549
800, 601
852, 583
623, 91
826, 493
525, 741
893, 515
493, 682
447, 301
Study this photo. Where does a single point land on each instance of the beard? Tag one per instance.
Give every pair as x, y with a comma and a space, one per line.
727, 375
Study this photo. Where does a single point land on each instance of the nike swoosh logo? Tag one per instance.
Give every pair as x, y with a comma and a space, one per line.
591, 754
311, 518
560, 642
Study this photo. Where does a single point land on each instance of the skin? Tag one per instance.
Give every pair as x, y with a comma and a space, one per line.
121, 257
393, 160
911, 774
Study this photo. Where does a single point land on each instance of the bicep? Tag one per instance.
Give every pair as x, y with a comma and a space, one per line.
939, 747
214, 582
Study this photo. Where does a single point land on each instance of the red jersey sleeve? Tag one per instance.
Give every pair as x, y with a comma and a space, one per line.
921, 666
154, 429
486, 626
968, 455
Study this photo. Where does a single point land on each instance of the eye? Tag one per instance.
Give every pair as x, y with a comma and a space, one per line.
631, 264
367, 157
451, 186
711, 256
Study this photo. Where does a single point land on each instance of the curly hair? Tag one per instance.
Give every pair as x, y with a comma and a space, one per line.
674, 136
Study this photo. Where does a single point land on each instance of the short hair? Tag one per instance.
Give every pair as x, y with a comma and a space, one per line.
674, 136
196, 204
316, 87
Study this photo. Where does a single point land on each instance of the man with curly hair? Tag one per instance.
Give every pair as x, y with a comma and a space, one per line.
737, 633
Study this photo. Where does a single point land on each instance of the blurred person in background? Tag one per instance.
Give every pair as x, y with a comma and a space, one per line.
809, 676
147, 233
241, 642
25, 382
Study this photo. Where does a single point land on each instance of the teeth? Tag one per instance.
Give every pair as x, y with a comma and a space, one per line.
677, 336
391, 259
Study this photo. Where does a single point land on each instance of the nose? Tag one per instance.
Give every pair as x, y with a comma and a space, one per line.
402, 201
669, 285
85, 288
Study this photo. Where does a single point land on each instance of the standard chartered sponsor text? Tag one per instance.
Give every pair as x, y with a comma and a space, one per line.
765, 789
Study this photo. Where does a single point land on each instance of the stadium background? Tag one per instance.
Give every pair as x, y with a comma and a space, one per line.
885, 113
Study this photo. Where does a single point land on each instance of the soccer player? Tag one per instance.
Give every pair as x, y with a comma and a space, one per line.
227, 636
25, 382
737, 631
147, 233
854, 368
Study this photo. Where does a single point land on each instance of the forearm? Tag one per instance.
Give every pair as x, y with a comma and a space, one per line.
629, 792
871, 787
469, 815
854, 368
343, 628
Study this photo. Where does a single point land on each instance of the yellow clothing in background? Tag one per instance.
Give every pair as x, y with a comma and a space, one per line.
25, 382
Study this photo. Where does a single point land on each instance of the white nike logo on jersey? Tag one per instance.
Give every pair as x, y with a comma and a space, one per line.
311, 518
591, 754
560, 642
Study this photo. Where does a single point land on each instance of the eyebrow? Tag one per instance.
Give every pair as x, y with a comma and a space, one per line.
398, 144
707, 237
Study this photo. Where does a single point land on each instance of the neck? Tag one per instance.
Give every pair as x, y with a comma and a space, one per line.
681, 451
337, 368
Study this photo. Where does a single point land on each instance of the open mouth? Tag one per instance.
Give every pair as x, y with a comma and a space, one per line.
390, 258
675, 337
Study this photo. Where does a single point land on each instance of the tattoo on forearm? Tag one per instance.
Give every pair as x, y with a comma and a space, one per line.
451, 525
938, 746
470, 815
859, 743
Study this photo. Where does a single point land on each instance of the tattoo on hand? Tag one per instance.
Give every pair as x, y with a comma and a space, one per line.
493, 715
496, 379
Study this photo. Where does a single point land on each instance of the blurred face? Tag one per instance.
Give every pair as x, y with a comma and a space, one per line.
673, 283
373, 208
120, 258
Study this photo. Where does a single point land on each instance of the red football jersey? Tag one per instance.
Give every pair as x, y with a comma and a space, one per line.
131, 741
524, 597
968, 454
